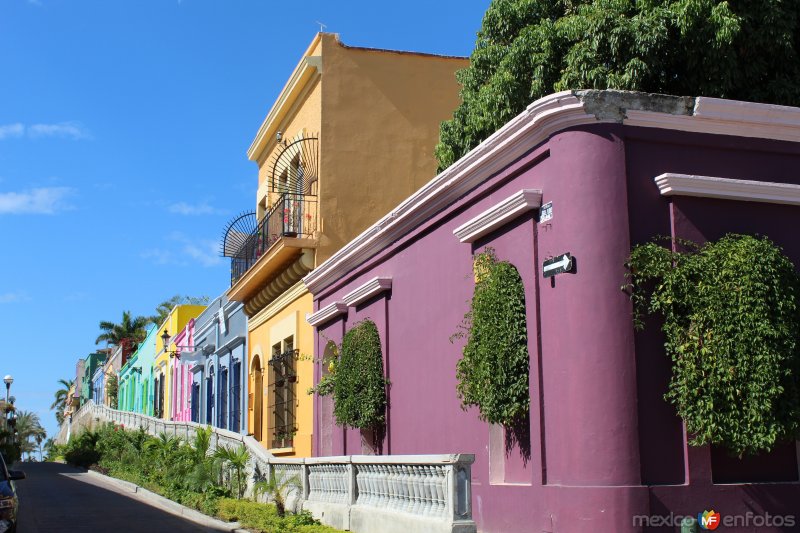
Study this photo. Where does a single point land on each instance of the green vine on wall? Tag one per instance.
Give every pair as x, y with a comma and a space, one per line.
493, 372
355, 379
731, 321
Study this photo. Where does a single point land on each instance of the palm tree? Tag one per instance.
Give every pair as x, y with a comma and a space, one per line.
278, 488
165, 308
162, 447
129, 328
29, 429
60, 402
237, 459
202, 475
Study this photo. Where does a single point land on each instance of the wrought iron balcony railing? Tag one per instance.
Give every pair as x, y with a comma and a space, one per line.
293, 215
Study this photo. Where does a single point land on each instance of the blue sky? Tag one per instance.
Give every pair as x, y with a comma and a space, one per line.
123, 131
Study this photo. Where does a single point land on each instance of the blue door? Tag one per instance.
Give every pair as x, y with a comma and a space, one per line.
236, 385
223, 398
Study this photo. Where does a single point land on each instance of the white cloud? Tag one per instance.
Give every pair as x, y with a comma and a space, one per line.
70, 130
183, 208
8, 131
41, 201
204, 252
186, 251
13, 297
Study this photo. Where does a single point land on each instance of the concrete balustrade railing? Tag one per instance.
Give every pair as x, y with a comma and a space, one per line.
387, 493
360, 493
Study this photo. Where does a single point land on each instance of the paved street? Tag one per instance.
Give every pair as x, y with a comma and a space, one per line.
59, 498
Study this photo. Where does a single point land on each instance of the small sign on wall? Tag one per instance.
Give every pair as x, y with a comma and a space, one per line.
546, 212
557, 265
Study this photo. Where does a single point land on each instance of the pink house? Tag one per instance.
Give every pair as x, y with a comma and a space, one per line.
181, 375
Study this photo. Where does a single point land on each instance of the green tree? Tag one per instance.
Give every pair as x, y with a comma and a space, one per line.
236, 459
277, 488
60, 402
128, 328
526, 49
112, 390
29, 431
165, 308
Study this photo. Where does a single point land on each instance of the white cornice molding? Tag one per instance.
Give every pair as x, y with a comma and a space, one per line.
499, 215
302, 74
533, 126
536, 124
728, 189
327, 313
726, 117
367, 291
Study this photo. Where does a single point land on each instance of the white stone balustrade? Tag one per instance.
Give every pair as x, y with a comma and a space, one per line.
360, 493
389, 493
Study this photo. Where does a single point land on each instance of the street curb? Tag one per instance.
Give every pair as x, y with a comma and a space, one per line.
165, 504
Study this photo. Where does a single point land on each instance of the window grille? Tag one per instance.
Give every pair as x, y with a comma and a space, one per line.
284, 390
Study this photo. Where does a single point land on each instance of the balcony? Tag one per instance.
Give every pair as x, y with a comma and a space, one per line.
290, 225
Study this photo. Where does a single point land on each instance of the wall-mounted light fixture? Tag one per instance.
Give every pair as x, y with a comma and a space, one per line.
172, 353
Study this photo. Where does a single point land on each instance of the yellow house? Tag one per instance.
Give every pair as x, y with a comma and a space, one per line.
162, 365
349, 137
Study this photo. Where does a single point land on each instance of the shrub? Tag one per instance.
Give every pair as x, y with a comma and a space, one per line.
493, 372
359, 388
731, 321
264, 518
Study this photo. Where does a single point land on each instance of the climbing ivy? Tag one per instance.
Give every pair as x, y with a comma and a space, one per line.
356, 379
731, 321
493, 372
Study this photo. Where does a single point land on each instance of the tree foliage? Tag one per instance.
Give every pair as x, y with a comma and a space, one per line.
60, 402
165, 308
129, 328
493, 372
731, 321
112, 390
526, 49
359, 387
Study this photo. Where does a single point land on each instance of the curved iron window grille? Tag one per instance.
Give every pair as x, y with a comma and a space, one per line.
284, 387
296, 168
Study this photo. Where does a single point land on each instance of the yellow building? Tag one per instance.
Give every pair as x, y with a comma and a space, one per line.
349, 137
163, 365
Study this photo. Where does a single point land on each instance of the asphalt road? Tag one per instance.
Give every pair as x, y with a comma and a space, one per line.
59, 498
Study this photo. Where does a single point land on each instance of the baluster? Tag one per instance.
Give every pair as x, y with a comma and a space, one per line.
427, 491
415, 489
369, 489
402, 489
440, 493
383, 483
326, 483
408, 494
394, 492
365, 491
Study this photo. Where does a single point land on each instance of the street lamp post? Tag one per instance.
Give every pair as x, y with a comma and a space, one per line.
8, 381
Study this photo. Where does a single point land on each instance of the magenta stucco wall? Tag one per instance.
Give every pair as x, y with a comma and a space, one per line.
604, 446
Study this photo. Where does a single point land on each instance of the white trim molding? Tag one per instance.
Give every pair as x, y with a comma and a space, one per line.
367, 291
541, 120
536, 124
499, 215
728, 189
327, 313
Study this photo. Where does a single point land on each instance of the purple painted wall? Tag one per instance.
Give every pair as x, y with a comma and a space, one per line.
604, 446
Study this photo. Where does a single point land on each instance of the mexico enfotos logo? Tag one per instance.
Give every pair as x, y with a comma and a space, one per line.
709, 520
